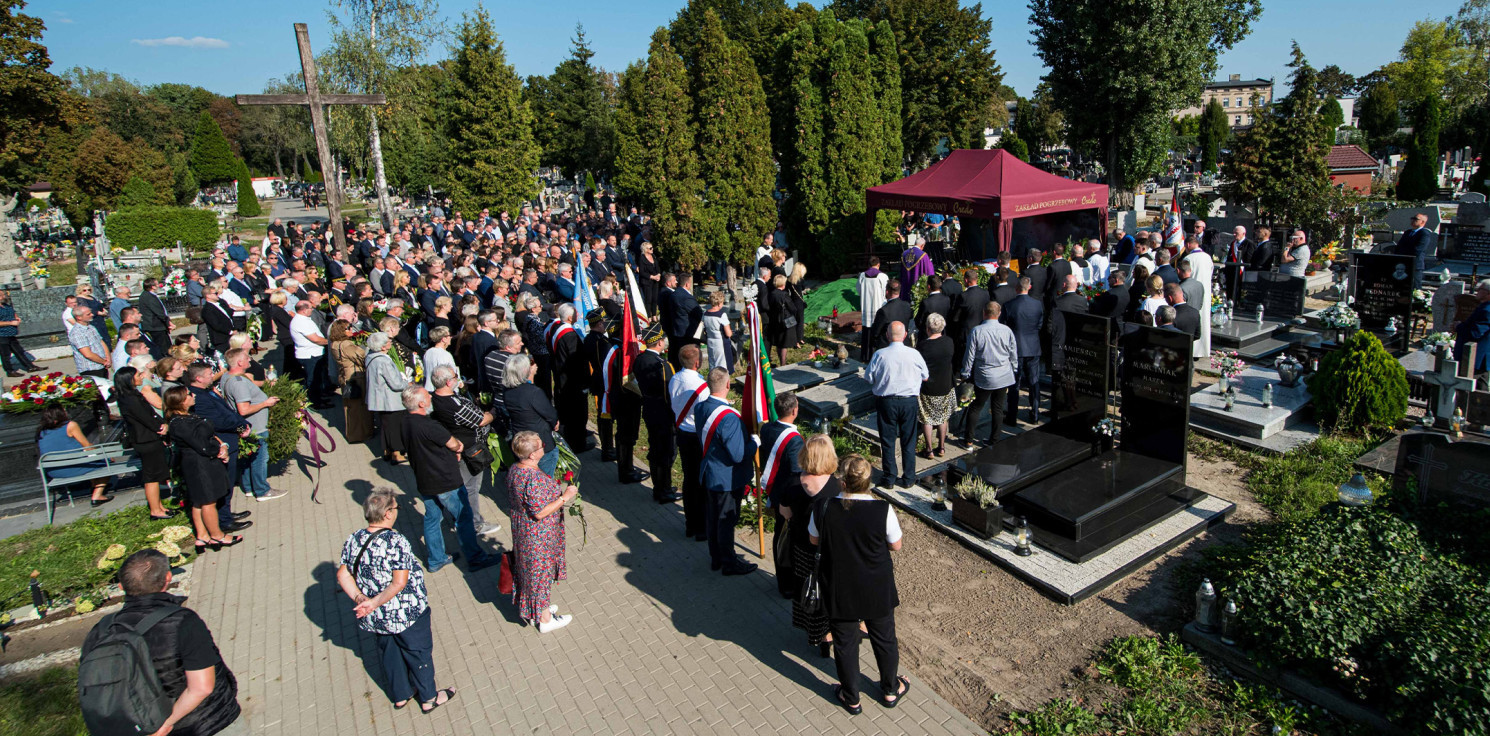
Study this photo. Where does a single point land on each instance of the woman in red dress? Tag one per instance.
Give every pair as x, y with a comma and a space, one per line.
537, 533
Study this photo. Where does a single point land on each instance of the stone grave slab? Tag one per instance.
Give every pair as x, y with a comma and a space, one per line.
841, 398
1249, 418
1019, 460
1064, 581
1444, 305
1382, 288
1447, 470
1280, 296
1417, 364
804, 375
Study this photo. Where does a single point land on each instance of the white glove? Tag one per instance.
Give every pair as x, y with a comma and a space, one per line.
756, 439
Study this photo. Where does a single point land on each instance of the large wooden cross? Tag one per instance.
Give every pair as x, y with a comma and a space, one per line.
317, 101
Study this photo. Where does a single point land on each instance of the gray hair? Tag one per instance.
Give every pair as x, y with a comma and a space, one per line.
376, 506
935, 323
486, 317
470, 310
438, 334
516, 372
443, 376
410, 396
399, 303
526, 443
80, 310
289, 284
140, 362
565, 312
508, 338
347, 312
531, 302
1165, 315
377, 341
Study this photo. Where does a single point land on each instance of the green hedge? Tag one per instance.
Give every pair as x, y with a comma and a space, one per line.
161, 227
1360, 386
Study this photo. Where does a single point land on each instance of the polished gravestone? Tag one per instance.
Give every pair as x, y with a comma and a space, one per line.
1446, 470
20, 480
841, 398
1015, 462
1280, 427
806, 375
1382, 290
40, 311
1093, 505
1281, 298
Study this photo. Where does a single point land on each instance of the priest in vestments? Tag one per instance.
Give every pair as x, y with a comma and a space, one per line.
871, 298
1202, 268
914, 264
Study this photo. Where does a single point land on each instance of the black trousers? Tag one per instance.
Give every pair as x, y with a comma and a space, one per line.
662, 446
1028, 378
10, 349
846, 637
695, 505
626, 413
997, 402
724, 514
570, 406
160, 341
781, 552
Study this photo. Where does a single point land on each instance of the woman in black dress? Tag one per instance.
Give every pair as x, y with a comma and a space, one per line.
146, 433
779, 308
649, 274
204, 467
799, 497
857, 532
529, 409
798, 303
936, 402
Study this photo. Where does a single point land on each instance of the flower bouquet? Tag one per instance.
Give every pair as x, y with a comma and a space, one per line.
1420, 302
175, 282
1438, 341
568, 471
1339, 317
248, 446
1228, 363
1090, 292
39, 270
255, 326
1108, 428
35, 392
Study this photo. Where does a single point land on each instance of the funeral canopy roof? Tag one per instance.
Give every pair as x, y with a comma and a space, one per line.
992, 184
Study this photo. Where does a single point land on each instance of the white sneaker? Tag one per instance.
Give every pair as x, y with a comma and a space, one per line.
271, 495
490, 530
553, 609
555, 623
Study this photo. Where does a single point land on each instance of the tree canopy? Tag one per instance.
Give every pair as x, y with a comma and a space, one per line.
30, 97
493, 157
574, 112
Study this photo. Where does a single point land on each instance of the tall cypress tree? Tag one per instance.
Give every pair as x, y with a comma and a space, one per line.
805, 208
853, 156
885, 62
1419, 179
212, 159
734, 145
248, 202
490, 126
656, 163
1213, 132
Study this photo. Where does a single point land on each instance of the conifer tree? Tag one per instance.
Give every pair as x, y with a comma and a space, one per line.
656, 163
734, 145
248, 202
490, 126
212, 159
137, 193
1419, 179
852, 134
887, 94
1212, 135
805, 208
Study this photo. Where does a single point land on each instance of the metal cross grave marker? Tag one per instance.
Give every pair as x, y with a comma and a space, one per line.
316, 101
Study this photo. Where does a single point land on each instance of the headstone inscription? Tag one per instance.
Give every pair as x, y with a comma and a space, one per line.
1088, 374
1156, 393
1382, 289
1446, 470
1281, 296
1464, 306
1472, 246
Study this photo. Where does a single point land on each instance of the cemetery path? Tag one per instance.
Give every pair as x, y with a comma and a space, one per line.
659, 644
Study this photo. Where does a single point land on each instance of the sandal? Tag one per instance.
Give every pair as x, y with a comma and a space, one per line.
924, 454
202, 546
854, 709
903, 686
217, 544
940, 452
401, 706
449, 694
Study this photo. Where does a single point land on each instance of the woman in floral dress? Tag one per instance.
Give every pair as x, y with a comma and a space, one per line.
537, 533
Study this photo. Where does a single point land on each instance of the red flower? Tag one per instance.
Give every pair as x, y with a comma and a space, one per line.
67, 395
569, 476
39, 401
54, 374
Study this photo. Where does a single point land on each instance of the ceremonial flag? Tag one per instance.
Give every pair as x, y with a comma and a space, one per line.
1174, 226
629, 350
584, 298
760, 390
635, 294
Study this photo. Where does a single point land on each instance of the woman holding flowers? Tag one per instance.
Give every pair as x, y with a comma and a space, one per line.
537, 505
204, 467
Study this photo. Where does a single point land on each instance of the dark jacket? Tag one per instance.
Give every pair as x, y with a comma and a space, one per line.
1060, 268
969, 310
1475, 331
1112, 303
219, 324
529, 410
1263, 257
1003, 294
1025, 315
726, 466
937, 303
894, 310
153, 314
683, 317
571, 368
1056, 325
1187, 320
1419, 244
1039, 277
225, 420
1168, 274
140, 419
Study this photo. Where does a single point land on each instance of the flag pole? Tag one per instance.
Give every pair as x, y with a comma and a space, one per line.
751, 398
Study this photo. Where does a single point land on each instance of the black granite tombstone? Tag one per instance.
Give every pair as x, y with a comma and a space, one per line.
19, 478
1382, 289
1096, 504
1280, 295
1230, 278
1466, 245
1446, 470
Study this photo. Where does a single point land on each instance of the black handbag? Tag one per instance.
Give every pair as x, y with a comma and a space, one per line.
811, 596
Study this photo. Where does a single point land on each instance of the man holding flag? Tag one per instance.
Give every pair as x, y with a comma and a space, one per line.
782, 443
686, 389
625, 405
1174, 224
726, 470
653, 374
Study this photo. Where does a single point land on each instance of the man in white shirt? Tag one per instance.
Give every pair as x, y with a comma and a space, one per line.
685, 390
310, 351
1097, 261
67, 319
121, 355
896, 373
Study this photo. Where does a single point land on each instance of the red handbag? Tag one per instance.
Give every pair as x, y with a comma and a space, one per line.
505, 578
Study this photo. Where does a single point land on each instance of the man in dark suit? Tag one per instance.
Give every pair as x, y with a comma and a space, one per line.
1263, 253
1240, 250
653, 373
155, 320
726, 469
1005, 286
1025, 315
571, 371
1165, 271
1062, 390
968, 313
684, 316
1124, 248
597, 348
1113, 303
1038, 275
935, 303
219, 319
1060, 268
665, 297
485, 341
762, 285
1418, 242
895, 309
1186, 317
781, 444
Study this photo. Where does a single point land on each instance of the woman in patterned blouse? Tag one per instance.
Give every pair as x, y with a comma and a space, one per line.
382, 577
537, 533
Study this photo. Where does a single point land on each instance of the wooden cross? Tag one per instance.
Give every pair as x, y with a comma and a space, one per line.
1446, 377
316, 101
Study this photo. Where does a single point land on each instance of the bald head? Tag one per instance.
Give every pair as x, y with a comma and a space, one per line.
897, 332
1071, 282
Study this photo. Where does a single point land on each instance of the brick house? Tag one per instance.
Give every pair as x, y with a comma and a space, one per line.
1352, 167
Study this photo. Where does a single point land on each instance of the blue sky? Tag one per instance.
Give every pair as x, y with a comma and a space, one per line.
231, 47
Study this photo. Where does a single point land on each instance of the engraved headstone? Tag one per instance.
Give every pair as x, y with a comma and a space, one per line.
1444, 306
1473, 213
1468, 245
1446, 470
1382, 289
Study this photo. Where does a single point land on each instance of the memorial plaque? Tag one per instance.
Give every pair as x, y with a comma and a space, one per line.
1088, 354
1156, 393
1382, 289
1280, 295
1446, 470
1470, 246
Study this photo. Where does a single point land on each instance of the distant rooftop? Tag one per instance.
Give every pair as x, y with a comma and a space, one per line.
1237, 81
1349, 157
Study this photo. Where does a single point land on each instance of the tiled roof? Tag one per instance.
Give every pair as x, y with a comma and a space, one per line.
1350, 157
1240, 83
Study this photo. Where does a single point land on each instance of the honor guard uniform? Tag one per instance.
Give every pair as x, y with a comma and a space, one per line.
653, 373
571, 376
781, 443
597, 349
686, 389
625, 406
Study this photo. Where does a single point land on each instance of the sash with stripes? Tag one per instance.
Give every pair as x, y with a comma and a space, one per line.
683, 415
605, 372
711, 425
774, 460
555, 332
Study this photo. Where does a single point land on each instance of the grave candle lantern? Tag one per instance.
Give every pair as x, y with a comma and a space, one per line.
1205, 607
1355, 492
1228, 623
1022, 537
1267, 395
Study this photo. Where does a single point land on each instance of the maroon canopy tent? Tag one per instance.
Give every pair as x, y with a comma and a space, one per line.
990, 184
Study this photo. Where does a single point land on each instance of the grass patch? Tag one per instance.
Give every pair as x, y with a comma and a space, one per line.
1294, 485
1153, 685
67, 555
64, 272
44, 704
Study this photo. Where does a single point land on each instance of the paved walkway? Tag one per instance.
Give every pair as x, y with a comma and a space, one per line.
659, 643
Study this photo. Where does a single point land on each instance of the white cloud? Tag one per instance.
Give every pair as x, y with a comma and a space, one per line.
61, 18
195, 42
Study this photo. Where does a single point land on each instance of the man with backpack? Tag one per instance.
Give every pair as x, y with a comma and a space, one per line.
153, 668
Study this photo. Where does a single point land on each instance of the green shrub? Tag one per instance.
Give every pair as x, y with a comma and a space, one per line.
161, 227
1440, 669
1360, 386
1296, 484
137, 193
248, 202
37, 202
284, 418
1060, 717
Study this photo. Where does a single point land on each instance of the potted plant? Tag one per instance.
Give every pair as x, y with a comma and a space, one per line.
975, 507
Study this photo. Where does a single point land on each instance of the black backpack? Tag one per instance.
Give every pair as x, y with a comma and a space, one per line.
117, 685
